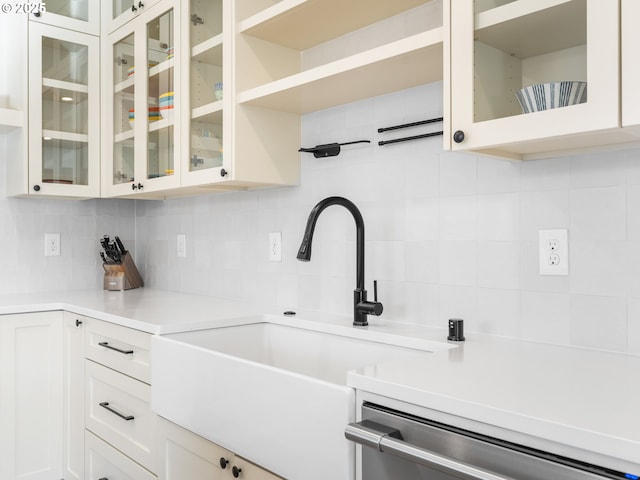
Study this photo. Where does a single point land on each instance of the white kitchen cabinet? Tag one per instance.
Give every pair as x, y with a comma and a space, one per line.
63, 136
73, 396
115, 13
183, 454
105, 462
500, 46
630, 13
78, 15
141, 140
31, 396
117, 392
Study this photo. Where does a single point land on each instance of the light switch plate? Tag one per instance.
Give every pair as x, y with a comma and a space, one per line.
553, 247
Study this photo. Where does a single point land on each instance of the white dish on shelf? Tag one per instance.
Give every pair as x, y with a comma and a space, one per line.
545, 96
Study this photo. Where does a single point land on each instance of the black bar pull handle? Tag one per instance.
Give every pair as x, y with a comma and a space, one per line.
106, 406
106, 345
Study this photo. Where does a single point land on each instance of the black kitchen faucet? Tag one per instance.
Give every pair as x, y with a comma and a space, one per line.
361, 307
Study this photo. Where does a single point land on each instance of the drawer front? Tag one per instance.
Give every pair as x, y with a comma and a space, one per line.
120, 348
251, 471
118, 409
104, 461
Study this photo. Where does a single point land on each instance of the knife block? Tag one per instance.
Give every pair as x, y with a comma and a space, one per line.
122, 276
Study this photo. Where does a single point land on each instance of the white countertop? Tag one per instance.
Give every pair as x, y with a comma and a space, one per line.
584, 399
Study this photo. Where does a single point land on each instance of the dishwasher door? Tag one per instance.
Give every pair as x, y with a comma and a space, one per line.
400, 446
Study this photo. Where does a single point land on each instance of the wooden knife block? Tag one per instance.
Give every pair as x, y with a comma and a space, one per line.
123, 276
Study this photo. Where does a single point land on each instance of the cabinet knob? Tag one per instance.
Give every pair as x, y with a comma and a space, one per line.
236, 471
36, 188
458, 136
134, 9
37, 14
78, 322
223, 173
140, 5
223, 463
139, 186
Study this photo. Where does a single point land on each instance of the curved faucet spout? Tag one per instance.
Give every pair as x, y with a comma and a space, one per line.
362, 307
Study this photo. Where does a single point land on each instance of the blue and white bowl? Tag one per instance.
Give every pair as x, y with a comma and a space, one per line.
545, 96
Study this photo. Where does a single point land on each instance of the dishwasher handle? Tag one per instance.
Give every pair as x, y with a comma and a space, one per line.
389, 440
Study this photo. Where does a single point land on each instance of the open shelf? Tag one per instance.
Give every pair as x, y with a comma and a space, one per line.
302, 24
406, 63
528, 28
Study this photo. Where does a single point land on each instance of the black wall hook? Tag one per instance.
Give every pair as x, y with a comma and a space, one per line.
329, 149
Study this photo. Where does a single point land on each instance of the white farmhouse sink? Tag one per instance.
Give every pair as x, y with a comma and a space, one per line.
273, 394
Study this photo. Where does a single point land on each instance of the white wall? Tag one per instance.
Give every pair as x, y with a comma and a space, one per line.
448, 235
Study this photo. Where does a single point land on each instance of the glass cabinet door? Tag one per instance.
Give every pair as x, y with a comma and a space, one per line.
162, 96
64, 138
79, 15
525, 70
206, 92
124, 113
140, 106
116, 13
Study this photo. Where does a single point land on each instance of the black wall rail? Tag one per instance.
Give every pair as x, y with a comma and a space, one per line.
408, 125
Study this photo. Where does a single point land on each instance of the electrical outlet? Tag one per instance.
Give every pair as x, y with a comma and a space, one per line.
275, 247
51, 244
553, 252
181, 245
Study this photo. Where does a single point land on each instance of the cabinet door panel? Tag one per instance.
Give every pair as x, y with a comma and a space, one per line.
31, 396
73, 392
104, 461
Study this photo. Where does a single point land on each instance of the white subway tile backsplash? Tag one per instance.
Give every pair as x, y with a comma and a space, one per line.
459, 218
459, 302
545, 317
499, 217
633, 329
458, 262
498, 312
499, 265
422, 219
458, 174
548, 174
599, 322
498, 176
599, 169
544, 210
599, 214
599, 268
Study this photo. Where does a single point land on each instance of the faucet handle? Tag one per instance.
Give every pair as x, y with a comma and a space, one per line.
375, 290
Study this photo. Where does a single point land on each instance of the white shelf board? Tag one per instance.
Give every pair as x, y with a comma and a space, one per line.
161, 67
302, 24
409, 62
209, 113
67, 136
160, 124
62, 85
125, 86
10, 117
528, 28
124, 136
209, 51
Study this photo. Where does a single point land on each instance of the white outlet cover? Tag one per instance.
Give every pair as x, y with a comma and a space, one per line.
51, 244
553, 247
275, 247
181, 245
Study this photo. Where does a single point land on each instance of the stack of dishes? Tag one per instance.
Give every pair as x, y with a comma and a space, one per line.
545, 96
154, 115
132, 69
165, 102
169, 51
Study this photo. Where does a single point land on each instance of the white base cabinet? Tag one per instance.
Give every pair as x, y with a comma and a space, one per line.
105, 462
31, 396
184, 455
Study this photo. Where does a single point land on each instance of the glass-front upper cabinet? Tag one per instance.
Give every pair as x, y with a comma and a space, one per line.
64, 134
79, 15
203, 121
115, 13
530, 76
139, 103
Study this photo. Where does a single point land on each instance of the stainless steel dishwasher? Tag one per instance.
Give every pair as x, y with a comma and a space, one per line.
401, 446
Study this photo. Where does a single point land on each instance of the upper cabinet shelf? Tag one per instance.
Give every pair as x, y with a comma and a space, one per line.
415, 60
528, 28
302, 24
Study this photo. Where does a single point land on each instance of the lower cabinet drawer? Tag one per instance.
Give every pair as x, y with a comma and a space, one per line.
118, 410
103, 461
